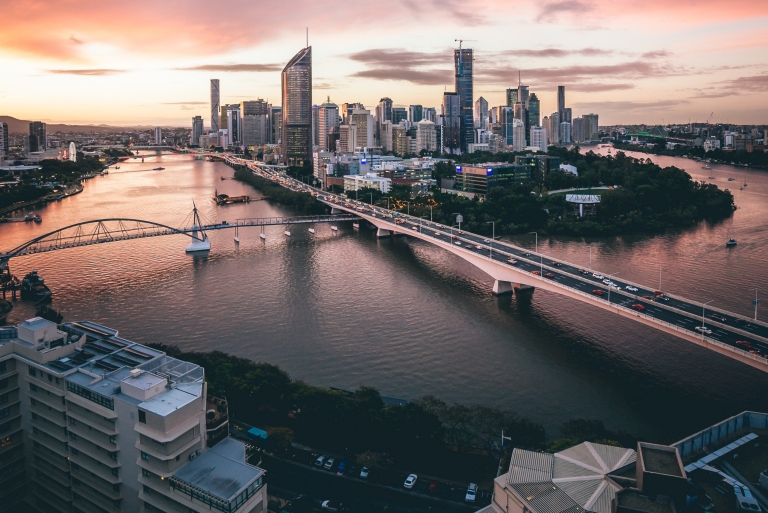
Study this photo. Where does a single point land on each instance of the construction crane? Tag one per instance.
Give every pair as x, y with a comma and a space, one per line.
462, 40
461, 56
710, 117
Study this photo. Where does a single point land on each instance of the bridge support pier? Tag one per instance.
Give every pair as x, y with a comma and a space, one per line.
524, 291
334, 211
380, 232
502, 287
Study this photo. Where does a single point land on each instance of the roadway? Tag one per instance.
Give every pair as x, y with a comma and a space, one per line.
737, 332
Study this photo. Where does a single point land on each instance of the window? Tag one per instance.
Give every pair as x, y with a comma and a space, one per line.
33, 387
2, 366
5, 442
178, 457
144, 456
114, 471
50, 377
34, 416
113, 440
5, 412
142, 417
91, 396
3, 383
147, 489
113, 455
148, 506
57, 381
145, 472
73, 436
33, 401
116, 487
32, 371
74, 451
72, 421
3, 398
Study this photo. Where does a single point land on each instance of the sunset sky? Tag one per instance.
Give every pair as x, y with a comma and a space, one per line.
148, 62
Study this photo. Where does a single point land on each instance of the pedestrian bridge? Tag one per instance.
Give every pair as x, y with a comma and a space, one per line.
516, 269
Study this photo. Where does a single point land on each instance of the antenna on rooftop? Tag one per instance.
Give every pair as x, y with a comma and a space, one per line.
307, 38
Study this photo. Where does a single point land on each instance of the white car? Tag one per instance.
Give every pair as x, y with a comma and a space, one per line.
631, 288
471, 493
458, 243
704, 329
607, 281
478, 247
614, 286
512, 261
364, 473
598, 276
487, 241
410, 481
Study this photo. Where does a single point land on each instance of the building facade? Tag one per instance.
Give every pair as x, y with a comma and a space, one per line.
538, 138
481, 114
451, 123
101, 424
415, 113
296, 86
327, 118
464, 63
426, 137
364, 131
158, 136
37, 136
3, 138
560, 99
479, 179
197, 130
215, 103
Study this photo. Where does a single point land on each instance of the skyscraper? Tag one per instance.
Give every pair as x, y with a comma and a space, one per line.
463, 64
506, 117
451, 123
158, 136
560, 99
554, 133
3, 139
429, 114
567, 115
197, 131
255, 123
518, 135
234, 126
347, 108
481, 113
591, 131
399, 114
362, 120
565, 132
327, 117
215, 102
533, 114
415, 113
296, 82
276, 125
383, 114
37, 136
539, 138
577, 131
511, 97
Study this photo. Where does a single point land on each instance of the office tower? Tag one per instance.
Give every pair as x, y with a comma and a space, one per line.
511, 96
522, 94
560, 99
315, 125
215, 102
554, 124
327, 118
518, 135
255, 123
451, 123
3, 138
400, 143
234, 126
332, 139
385, 135
538, 138
346, 139
546, 124
362, 120
567, 115
197, 130
383, 114
415, 113
276, 125
591, 129
158, 136
565, 132
347, 108
430, 114
426, 137
224, 114
98, 423
399, 114
506, 117
533, 111
297, 109
481, 113
463, 64
37, 136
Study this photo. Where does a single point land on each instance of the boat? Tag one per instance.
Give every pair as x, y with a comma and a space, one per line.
730, 178
335, 228
706, 167
287, 233
711, 177
731, 241
117, 167
311, 230
33, 217
157, 168
33, 287
263, 236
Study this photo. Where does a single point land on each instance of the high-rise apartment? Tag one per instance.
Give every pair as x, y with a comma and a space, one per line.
518, 135
426, 137
234, 126
158, 136
276, 125
463, 64
591, 129
197, 130
567, 115
451, 123
296, 86
3, 138
347, 108
37, 136
383, 114
577, 131
565, 132
327, 118
481, 113
554, 133
430, 114
415, 113
538, 138
362, 120
560, 99
255, 123
215, 102
96, 423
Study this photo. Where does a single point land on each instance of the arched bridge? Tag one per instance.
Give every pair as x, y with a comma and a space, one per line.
516, 269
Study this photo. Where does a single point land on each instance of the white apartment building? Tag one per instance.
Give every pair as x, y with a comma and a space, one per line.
158, 135
370, 180
539, 138
363, 122
518, 135
426, 137
93, 423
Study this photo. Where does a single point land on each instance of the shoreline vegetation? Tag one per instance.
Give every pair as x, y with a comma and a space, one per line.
643, 198
755, 159
425, 434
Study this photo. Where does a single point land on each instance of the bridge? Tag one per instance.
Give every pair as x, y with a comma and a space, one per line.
518, 270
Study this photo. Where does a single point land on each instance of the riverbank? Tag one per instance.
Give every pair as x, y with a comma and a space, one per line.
302, 202
749, 160
54, 196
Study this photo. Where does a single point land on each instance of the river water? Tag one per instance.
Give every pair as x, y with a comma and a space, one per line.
405, 317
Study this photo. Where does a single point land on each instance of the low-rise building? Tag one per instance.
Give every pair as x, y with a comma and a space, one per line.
479, 179
357, 182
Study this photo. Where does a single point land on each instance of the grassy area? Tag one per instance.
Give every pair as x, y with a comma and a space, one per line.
753, 459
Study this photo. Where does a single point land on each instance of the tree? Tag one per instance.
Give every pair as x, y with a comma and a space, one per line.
279, 439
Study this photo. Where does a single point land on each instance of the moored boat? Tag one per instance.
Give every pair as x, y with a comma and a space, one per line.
33, 287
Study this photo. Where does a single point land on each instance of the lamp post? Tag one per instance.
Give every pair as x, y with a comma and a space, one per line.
459, 219
371, 197
430, 213
702, 317
420, 218
610, 281
590, 258
387, 202
659, 278
493, 237
755, 302
537, 240
408, 204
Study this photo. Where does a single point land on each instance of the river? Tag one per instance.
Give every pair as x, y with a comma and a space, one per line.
348, 309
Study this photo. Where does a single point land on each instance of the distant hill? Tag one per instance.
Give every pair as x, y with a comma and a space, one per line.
21, 126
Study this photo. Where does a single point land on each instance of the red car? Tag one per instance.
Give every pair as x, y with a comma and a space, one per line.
549, 275
432, 488
648, 298
743, 344
537, 273
638, 307
597, 292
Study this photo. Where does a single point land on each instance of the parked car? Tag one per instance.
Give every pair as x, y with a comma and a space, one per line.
329, 463
471, 493
432, 488
342, 466
638, 307
364, 473
320, 461
352, 470
410, 481
449, 489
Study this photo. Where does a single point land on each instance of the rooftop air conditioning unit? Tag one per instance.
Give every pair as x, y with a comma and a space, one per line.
192, 456
135, 373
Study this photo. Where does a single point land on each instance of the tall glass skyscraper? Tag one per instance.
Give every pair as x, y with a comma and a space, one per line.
451, 122
297, 109
534, 112
463, 63
560, 99
215, 102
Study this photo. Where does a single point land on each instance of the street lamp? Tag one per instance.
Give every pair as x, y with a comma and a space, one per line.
371, 197
590, 258
659, 278
537, 240
541, 266
420, 218
493, 236
459, 219
755, 302
702, 317
430, 213
387, 202
610, 281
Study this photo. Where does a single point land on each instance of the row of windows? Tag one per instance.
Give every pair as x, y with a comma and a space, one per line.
5, 412
91, 396
227, 507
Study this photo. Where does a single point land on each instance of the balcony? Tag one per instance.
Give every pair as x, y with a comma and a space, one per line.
159, 450
51, 400
44, 484
97, 498
93, 466
53, 415
85, 447
50, 443
47, 428
54, 472
81, 415
51, 458
99, 485
52, 503
94, 436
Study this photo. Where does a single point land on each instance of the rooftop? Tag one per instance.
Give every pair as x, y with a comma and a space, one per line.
661, 461
220, 471
637, 501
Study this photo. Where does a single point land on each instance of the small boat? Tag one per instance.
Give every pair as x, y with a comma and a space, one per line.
237, 239
311, 230
33, 217
356, 226
730, 178
706, 167
117, 167
263, 236
730, 243
711, 177
157, 168
33, 287
335, 228
287, 233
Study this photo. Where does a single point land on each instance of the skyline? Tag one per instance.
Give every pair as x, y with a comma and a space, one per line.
153, 64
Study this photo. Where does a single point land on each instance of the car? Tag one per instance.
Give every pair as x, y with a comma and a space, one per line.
512, 261
607, 281
614, 286
478, 247
454, 237
598, 292
631, 288
598, 276
458, 243
704, 329
364, 473
527, 254
342, 466
743, 344
638, 307
329, 463
536, 273
549, 275
414, 228
410, 481
449, 489
351, 470
437, 233
471, 493
556, 264
487, 241
663, 298
432, 488
331, 506
320, 461
718, 317
469, 246
649, 298
658, 293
